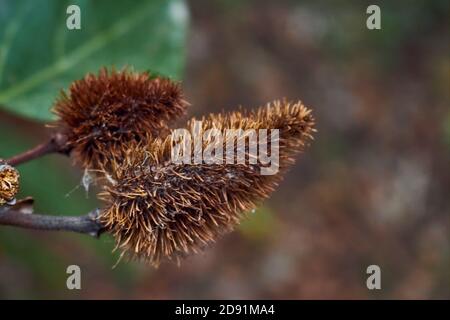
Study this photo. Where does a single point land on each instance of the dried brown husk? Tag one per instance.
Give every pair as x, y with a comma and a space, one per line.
102, 113
158, 210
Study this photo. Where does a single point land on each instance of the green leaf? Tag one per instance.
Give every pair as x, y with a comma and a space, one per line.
39, 55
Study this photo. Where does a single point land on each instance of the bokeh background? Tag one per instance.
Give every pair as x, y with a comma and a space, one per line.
373, 188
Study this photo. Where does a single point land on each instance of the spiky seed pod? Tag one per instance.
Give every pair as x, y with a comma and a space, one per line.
105, 111
159, 210
9, 183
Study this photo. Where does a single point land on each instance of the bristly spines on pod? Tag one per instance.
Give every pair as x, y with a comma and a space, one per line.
159, 210
102, 113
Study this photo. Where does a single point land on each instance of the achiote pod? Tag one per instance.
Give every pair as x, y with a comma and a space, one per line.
158, 209
100, 113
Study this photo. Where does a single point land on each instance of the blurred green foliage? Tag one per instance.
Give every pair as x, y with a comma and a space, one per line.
259, 225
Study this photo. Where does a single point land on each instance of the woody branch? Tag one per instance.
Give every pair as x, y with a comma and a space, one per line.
86, 224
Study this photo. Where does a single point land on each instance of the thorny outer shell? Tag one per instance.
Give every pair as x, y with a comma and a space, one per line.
103, 112
9, 183
158, 210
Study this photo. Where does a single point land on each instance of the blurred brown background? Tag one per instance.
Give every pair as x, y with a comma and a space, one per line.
373, 188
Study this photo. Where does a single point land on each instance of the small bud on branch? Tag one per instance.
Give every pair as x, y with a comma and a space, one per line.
9, 183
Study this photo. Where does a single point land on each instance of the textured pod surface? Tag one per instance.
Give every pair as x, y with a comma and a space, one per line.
9, 183
103, 112
159, 210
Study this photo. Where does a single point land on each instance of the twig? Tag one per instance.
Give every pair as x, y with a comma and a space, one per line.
57, 144
87, 224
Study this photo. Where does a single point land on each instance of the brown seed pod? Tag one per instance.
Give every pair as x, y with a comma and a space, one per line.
160, 210
103, 112
9, 183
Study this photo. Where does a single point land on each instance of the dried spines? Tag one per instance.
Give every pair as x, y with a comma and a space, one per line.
294, 121
159, 210
104, 112
175, 210
9, 183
